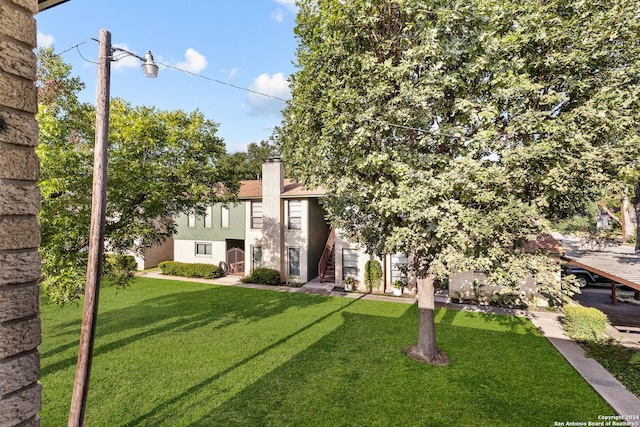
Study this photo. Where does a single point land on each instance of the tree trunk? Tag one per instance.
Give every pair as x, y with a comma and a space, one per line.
426, 350
636, 206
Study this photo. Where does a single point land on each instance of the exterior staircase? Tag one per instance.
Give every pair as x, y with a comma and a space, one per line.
327, 264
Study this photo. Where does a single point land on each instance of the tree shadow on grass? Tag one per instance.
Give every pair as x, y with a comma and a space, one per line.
186, 394
180, 311
358, 375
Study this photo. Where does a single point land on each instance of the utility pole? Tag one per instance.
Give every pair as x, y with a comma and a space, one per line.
96, 235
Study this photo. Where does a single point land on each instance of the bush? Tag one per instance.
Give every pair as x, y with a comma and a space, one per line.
372, 274
263, 276
584, 323
206, 271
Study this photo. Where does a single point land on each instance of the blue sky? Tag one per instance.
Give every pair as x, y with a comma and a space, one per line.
247, 43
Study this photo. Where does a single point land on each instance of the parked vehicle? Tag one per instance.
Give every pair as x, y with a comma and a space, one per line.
584, 277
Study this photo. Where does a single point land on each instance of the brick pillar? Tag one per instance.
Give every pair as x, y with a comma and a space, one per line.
20, 392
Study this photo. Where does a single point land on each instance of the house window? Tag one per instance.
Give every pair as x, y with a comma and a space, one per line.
294, 261
349, 264
256, 257
207, 217
399, 268
295, 215
191, 220
204, 249
256, 214
224, 217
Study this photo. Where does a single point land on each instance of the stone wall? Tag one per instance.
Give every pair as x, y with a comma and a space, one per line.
20, 392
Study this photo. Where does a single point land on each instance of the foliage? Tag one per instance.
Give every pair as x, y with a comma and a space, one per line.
621, 362
579, 223
453, 130
159, 163
372, 274
584, 323
249, 165
201, 270
598, 241
560, 294
263, 276
119, 269
398, 284
261, 358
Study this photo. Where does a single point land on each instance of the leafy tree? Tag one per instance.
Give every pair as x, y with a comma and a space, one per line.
451, 130
249, 165
159, 163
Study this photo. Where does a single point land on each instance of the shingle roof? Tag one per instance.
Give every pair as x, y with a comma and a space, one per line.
546, 243
253, 189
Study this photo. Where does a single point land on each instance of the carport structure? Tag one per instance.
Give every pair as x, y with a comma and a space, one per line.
618, 264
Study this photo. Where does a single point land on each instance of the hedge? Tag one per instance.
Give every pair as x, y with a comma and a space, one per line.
263, 276
584, 323
206, 271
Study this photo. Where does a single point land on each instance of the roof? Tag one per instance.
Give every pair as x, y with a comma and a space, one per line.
617, 263
545, 243
46, 4
252, 189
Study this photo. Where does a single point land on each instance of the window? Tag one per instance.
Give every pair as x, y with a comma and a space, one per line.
256, 257
349, 264
224, 217
191, 220
207, 217
399, 268
294, 261
295, 215
203, 249
256, 214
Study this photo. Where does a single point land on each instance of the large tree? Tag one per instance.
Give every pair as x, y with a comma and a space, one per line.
451, 130
160, 163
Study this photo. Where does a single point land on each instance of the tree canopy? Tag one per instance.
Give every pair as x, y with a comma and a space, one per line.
452, 130
159, 163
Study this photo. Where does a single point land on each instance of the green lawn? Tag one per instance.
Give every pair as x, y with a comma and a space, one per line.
174, 353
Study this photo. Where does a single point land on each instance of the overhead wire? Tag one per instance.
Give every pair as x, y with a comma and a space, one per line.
278, 98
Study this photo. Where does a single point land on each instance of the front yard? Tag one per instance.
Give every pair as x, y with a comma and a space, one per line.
189, 354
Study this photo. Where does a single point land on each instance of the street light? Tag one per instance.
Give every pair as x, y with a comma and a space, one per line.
96, 231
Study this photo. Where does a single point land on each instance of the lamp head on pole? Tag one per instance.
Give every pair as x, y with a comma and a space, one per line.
149, 68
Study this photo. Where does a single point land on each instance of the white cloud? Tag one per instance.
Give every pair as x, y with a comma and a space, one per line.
44, 40
277, 15
194, 61
274, 85
289, 4
233, 72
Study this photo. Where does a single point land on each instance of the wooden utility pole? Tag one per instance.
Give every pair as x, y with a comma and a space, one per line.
96, 236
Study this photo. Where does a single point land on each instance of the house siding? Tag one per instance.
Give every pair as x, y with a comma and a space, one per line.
236, 230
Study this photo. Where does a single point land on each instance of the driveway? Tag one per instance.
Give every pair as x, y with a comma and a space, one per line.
620, 315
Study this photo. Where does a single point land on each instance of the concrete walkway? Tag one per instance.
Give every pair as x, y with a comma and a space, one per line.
612, 391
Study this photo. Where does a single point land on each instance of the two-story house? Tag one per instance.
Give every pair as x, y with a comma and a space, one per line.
275, 224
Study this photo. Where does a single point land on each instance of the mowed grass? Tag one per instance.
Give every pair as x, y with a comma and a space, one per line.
172, 353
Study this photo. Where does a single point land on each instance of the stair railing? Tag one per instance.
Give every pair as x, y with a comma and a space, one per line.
324, 259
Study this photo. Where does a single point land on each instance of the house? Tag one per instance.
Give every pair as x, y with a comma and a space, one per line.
277, 223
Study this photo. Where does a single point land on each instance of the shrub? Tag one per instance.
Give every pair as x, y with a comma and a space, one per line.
263, 276
372, 274
197, 270
584, 323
